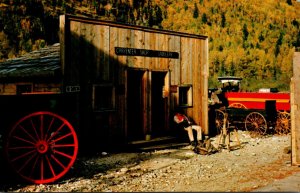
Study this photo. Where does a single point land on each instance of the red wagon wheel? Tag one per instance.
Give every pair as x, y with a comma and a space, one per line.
256, 124
42, 147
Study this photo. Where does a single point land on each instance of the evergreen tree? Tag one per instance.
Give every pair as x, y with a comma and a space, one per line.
245, 32
223, 21
261, 37
204, 18
278, 43
158, 15
185, 7
289, 2
196, 11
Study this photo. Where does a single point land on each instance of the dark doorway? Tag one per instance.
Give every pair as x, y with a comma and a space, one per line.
158, 103
135, 104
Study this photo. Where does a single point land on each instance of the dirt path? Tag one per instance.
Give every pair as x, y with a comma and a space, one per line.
259, 162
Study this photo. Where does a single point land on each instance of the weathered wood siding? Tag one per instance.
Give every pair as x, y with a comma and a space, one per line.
88, 57
11, 88
295, 109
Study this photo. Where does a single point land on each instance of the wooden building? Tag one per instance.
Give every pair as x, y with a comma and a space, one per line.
128, 79
35, 72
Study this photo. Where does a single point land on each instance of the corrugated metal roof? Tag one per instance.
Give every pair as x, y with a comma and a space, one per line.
44, 62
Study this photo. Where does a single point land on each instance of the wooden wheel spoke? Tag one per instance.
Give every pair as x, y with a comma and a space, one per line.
260, 130
42, 126
237, 105
27, 162
23, 155
34, 165
35, 131
20, 148
255, 122
23, 129
56, 132
24, 140
60, 138
57, 161
49, 128
42, 168
283, 125
50, 166
63, 154
63, 145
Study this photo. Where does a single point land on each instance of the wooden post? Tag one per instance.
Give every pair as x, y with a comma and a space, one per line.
295, 110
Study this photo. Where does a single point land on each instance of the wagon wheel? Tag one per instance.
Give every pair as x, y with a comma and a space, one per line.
219, 120
256, 124
237, 105
41, 147
283, 123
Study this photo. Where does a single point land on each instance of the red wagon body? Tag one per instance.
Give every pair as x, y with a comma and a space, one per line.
256, 100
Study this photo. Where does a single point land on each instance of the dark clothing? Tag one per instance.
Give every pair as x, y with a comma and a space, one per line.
182, 120
184, 124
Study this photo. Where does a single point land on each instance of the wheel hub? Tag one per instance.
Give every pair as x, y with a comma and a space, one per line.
42, 147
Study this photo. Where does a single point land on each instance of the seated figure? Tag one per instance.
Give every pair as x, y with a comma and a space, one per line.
187, 124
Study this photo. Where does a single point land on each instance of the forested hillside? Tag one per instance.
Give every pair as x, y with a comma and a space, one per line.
252, 39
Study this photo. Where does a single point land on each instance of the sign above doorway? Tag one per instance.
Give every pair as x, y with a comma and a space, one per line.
144, 52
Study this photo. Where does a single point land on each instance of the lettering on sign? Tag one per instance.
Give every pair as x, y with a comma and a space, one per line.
72, 88
144, 52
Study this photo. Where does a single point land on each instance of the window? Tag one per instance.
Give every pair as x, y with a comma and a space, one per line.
24, 88
103, 97
185, 95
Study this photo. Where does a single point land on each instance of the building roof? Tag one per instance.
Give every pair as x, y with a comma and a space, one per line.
40, 63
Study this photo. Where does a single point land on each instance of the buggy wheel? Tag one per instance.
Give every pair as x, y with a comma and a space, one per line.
237, 105
219, 120
283, 123
256, 124
41, 147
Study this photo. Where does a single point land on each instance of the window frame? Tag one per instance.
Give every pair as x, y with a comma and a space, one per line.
185, 95
111, 97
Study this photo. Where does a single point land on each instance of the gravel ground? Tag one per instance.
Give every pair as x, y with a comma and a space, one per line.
257, 163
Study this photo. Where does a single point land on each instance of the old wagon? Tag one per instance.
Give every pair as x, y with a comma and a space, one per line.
259, 112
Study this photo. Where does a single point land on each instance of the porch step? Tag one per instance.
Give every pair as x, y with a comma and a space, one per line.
157, 144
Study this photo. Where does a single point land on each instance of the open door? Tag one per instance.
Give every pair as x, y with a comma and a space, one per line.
136, 104
159, 103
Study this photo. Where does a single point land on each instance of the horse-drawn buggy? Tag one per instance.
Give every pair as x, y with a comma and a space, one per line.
262, 112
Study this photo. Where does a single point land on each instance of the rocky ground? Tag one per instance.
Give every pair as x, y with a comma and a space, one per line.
258, 162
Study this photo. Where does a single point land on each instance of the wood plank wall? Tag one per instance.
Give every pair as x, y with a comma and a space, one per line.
84, 36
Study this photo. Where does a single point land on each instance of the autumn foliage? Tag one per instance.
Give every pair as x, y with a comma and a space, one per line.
252, 39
